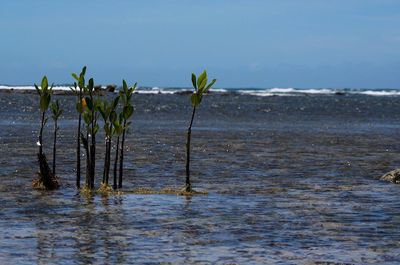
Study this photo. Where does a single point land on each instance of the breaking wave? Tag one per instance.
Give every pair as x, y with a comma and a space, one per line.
267, 92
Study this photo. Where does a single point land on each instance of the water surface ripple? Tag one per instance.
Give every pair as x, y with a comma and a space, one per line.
291, 180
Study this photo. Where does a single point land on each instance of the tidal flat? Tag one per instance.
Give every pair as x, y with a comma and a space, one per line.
290, 180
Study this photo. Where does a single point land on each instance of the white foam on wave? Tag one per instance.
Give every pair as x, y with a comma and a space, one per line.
315, 91
280, 90
154, 90
33, 88
268, 92
262, 93
379, 92
284, 91
219, 90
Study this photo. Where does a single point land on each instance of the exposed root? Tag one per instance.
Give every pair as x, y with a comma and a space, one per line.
47, 180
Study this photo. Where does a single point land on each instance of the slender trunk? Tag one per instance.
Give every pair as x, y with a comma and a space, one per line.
116, 165
92, 161
78, 146
41, 134
78, 154
105, 162
93, 149
108, 158
54, 147
121, 158
189, 133
88, 165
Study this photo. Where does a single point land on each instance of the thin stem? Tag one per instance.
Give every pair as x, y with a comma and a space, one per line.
78, 146
189, 133
41, 134
115, 165
92, 146
54, 147
88, 165
108, 157
105, 161
121, 158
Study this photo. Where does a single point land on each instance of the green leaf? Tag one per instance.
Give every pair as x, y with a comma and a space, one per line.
81, 82
89, 103
195, 99
73, 90
42, 103
86, 118
210, 85
45, 83
91, 84
203, 84
194, 81
83, 72
38, 90
201, 78
115, 103
128, 111
124, 86
113, 116
75, 76
48, 98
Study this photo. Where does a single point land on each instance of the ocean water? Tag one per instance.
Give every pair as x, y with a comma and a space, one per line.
292, 176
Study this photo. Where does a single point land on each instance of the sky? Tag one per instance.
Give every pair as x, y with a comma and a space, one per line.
242, 43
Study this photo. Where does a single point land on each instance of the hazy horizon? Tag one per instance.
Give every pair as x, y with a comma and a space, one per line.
244, 44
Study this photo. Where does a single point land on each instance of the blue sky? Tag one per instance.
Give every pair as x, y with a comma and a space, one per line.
243, 43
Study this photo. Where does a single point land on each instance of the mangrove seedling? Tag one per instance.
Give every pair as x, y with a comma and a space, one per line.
127, 111
57, 111
200, 87
80, 106
107, 111
47, 178
90, 116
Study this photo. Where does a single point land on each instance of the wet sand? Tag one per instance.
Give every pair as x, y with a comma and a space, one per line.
291, 180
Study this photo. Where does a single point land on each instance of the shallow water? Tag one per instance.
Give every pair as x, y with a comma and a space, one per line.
291, 180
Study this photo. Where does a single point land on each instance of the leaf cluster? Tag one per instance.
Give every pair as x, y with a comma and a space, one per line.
80, 89
44, 92
126, 96
200, 85
56, 110
108, 113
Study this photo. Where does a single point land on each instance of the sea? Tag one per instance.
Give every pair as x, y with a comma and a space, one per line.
292, 177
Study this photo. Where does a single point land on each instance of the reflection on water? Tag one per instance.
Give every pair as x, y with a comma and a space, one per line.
294, 185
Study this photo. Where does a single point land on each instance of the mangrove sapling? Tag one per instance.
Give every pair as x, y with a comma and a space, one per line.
200, 87
57, 111
127, 111
90, 117
80, 106
47, 178
107, 111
